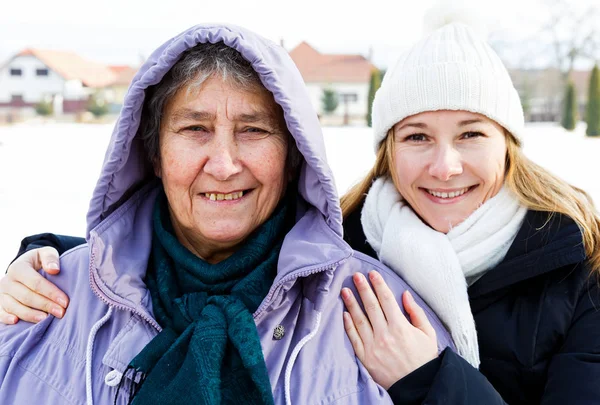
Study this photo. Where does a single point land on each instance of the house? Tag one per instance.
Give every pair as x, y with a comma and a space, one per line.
542, 92
64, 78
118, 88
347, 75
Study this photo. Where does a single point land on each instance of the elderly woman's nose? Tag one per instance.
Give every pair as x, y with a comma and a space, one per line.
446, 163
223, 161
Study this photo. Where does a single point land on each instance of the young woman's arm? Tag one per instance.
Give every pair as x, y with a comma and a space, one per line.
24, 293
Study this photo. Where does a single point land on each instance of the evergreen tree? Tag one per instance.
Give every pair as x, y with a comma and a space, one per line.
569, 119
593, 106
330, 101
97, 105
374, 85
44, 108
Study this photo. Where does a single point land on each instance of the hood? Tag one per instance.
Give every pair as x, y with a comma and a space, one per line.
125, 168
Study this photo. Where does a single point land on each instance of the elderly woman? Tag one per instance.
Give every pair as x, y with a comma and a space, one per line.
214, 255
504, 252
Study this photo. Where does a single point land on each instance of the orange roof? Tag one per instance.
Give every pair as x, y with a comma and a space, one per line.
124, 74
317, 67
71, 66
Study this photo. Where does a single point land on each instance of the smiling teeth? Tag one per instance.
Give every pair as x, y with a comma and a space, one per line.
221, 197
448, 195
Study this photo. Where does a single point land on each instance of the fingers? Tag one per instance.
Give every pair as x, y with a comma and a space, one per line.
34, 300
370, 302
34, 281
387, 300
359, 319
12, 306
354, 336
47, 259
7, 319
417, 316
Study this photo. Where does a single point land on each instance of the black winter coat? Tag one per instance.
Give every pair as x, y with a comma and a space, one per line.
538, 324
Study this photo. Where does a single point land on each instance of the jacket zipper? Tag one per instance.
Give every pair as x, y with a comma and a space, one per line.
297, 274
108, 301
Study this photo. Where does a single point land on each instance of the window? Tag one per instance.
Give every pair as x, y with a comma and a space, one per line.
348, 97
41, 72
16, 72
16, 98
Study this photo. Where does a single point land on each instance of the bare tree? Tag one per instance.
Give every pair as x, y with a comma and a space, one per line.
574, 34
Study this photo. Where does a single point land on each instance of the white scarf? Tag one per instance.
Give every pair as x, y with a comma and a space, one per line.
437, 265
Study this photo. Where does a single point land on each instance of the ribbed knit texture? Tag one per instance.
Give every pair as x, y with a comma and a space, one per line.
451, 69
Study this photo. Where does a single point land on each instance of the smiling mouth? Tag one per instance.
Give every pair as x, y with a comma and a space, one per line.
449, 195
226, 197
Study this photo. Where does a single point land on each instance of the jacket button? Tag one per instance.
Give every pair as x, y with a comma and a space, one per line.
279, 332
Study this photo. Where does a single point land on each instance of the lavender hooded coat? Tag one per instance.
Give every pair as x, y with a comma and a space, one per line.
80, 359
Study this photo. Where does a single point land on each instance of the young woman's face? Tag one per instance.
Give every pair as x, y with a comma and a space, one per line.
447, 163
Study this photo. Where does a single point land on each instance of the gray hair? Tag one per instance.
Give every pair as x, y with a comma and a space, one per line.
194, 67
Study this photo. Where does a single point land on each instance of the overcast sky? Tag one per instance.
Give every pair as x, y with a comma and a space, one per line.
123, 31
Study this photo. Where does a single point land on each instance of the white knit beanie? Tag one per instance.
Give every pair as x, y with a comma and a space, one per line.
451, 69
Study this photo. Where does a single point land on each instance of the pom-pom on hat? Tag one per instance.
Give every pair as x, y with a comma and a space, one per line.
450, 69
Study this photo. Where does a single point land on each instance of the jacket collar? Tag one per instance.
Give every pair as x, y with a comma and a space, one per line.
543, 244
120, 248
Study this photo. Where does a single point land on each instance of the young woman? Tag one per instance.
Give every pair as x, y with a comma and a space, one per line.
504, 252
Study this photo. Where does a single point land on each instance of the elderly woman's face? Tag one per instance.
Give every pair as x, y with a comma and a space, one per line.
448, 163
222, 163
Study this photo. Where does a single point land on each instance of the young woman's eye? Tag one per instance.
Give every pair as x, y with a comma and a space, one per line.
472, 134
416, 138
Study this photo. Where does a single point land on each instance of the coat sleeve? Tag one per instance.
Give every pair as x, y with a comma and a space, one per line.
61, 243
449, 379
574, 372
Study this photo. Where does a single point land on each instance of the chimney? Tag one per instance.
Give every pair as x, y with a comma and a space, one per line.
370, 54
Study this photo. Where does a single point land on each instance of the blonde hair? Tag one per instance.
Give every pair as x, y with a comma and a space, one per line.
536, 188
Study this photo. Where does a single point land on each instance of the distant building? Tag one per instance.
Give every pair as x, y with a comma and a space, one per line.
347, 75
542, 92
64, 78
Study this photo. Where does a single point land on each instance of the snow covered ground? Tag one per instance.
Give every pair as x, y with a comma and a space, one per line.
48, 171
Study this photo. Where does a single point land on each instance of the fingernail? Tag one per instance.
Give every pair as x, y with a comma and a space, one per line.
410, 297
373, 275
345, 293
62, 302
40, 318
359, 278
57, 312
52, 266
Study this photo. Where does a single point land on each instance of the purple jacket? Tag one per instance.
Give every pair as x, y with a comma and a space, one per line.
80, 359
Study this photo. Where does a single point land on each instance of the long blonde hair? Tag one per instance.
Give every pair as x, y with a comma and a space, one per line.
536, 188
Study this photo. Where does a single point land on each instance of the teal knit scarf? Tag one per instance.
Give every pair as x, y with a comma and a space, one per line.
209, 351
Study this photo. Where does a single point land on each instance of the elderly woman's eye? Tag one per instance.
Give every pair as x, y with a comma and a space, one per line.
195, 128
253, 133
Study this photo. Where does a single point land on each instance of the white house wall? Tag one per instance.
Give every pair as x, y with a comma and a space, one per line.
357, 110
31, 87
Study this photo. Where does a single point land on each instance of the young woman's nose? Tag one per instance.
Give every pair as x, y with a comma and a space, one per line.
446, 163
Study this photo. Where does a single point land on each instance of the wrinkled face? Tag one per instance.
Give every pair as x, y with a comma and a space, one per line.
448, 163
222, 164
